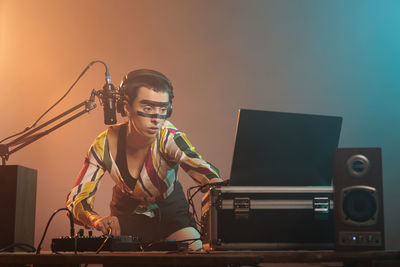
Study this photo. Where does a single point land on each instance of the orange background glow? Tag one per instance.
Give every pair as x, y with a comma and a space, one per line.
297, 56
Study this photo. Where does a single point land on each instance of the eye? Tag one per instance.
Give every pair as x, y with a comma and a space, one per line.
164, 110
147, 109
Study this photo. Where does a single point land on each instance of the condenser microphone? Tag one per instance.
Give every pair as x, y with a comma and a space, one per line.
109, 99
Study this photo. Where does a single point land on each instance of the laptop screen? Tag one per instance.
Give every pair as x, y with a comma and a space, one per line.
284, 149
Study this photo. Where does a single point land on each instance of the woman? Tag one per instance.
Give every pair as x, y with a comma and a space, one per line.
142, 156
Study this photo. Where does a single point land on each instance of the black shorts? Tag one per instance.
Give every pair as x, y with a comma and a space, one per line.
172, 215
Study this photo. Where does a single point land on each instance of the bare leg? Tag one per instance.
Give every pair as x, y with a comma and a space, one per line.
188, 233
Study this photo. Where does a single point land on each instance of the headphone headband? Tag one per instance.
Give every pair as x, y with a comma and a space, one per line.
146, 72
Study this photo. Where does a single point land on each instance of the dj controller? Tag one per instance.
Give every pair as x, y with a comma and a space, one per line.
118, 243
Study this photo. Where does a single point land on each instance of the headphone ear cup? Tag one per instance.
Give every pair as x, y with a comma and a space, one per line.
169, 111
120, 100
120, 108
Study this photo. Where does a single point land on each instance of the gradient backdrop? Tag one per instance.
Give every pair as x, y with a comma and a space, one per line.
321, 57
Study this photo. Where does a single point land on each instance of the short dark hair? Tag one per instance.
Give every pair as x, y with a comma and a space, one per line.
145, 78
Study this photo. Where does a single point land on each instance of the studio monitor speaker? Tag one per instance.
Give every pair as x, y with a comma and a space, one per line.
18, 203
358, 199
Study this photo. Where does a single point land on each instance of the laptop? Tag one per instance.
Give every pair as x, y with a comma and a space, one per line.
284, 149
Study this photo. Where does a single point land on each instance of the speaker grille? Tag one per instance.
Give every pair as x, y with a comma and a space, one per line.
360, 205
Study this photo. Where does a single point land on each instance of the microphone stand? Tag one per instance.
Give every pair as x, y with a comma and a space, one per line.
29, 137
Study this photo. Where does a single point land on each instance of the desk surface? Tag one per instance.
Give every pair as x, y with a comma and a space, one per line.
206, 258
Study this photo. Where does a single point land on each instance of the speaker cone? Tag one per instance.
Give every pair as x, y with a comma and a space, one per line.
359, 205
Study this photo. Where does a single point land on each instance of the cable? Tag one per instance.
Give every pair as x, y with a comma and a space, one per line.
190, 241
169, 245
58, 101
102, 244
190, 197
47, 227
105, 240
23, 246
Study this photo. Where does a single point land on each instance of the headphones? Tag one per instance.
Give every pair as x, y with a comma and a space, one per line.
140, 73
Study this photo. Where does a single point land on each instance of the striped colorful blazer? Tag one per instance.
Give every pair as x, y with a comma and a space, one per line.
169, 150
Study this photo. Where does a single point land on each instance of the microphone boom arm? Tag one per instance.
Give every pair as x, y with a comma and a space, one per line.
30, 137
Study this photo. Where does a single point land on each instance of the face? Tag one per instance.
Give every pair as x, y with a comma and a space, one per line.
148, 111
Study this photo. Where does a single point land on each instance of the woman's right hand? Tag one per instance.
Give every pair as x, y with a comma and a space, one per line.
104, 223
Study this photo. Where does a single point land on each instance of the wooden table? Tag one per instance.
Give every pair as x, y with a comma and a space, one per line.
214, 258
